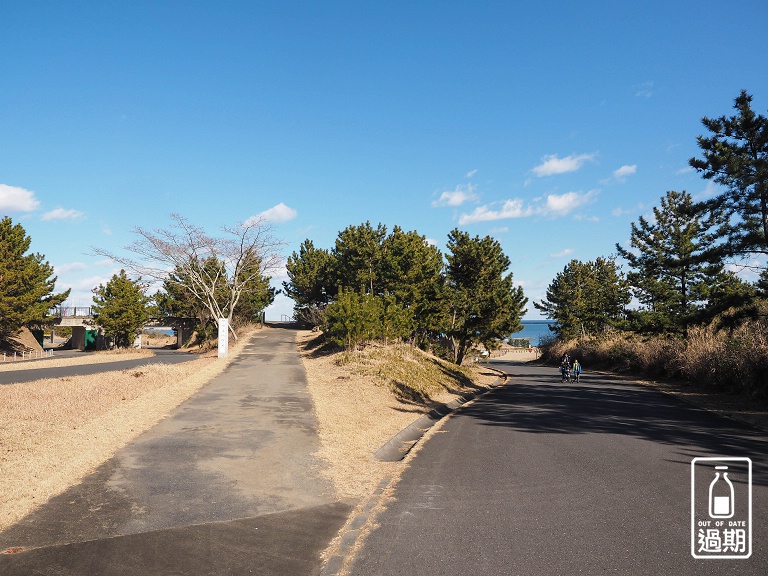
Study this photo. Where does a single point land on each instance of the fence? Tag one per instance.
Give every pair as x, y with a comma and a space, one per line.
27, 355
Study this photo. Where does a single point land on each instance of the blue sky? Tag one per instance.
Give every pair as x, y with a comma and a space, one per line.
548, 125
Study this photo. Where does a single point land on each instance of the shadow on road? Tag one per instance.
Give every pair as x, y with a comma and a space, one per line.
536, 401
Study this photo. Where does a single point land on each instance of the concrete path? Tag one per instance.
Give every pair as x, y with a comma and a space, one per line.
228, 484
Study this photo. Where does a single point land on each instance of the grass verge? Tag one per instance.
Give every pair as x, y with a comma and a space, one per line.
365, 397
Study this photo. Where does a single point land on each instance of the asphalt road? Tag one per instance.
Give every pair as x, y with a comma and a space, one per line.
160, 357
543, 478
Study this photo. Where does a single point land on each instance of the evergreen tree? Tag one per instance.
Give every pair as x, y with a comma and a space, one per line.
412, 272
353, 319
676, 261
309, 282
586, 298
358, 259
258, 293
121, 308
483, 303
26, 281
736, 156
761, 286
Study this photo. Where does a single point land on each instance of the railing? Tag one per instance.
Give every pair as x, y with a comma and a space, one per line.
71, 312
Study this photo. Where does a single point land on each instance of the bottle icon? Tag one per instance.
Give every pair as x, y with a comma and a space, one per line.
721, 495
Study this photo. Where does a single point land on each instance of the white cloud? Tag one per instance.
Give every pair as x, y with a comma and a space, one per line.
71, 267
684, 170
276, 214
554, 205
510, 209
62, 214
431, 242
552, 164
15, 199
88, 284
563, 204
624, 171
456, 197
499, 230
562, 254
471, 173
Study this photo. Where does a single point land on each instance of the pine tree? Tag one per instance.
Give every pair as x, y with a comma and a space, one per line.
26, 282
484, 305
586, 298
121, 308
676, 262
736, 156
357, 258
309, 282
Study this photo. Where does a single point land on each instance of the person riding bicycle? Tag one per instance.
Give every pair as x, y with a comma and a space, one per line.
576, 370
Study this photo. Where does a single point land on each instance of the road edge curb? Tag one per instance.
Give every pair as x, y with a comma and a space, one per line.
401, 443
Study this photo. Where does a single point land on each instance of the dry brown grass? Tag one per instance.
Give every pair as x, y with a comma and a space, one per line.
53, 432
364, 398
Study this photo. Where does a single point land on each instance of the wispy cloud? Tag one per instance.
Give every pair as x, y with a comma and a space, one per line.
553, 206
471, 173
643, 90
277, 214
62, 214
562, 253
70, 267
457, 197
628, 211
510, 209
552, 164
15, 199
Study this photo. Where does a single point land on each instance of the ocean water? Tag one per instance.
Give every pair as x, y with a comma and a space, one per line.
534, 329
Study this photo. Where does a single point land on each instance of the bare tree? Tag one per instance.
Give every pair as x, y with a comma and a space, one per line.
240, 256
